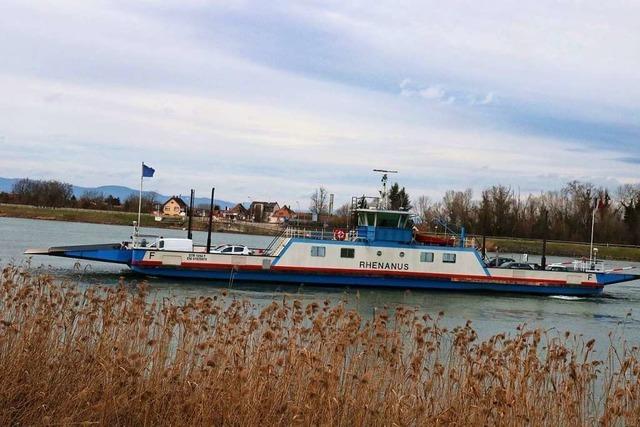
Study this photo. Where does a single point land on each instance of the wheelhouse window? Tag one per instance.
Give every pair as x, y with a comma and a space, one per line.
450, 258
318, 251
426, 256
347, 253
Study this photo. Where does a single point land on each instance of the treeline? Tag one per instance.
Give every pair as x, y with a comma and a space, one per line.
56, 194
559, 215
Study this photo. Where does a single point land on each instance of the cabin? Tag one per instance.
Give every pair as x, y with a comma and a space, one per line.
261, 211
282, 215
175, 206
380, 225
238, 212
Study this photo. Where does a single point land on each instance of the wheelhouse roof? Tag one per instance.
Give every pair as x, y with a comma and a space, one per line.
385, 211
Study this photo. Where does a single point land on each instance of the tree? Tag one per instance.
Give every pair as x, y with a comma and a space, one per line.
319, 202
502, 204
458, 208
484, 213
341, 216
91, 200
112, 202
43, 193
398, 198
344, 210
148, 202
629, 197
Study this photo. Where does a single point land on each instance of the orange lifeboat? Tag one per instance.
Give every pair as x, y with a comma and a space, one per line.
430, 239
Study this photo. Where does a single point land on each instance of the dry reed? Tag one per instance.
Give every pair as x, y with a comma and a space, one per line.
114, 356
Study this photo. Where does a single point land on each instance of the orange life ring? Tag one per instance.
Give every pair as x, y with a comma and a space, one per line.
339, 234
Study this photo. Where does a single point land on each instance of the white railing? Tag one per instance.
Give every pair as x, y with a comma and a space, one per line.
304, 233
586, 265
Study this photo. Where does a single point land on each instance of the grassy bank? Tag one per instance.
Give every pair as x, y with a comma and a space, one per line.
505, 245
124, 218
116, 357
568, 249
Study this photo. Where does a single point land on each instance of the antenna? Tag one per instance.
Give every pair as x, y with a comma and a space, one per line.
383, 193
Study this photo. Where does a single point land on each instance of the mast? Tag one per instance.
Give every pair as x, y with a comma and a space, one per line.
213, 192
189, 233
384, 197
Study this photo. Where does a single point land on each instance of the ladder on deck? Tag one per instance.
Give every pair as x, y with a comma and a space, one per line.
277, 244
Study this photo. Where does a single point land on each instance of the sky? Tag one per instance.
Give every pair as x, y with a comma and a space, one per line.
270, 100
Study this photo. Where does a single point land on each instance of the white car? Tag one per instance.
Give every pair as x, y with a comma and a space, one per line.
231, 250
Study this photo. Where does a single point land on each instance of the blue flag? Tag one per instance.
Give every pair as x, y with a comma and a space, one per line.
147, 171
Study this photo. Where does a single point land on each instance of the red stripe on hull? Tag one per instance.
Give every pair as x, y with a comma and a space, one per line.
147, 263
217, 266
422, 275
198, 265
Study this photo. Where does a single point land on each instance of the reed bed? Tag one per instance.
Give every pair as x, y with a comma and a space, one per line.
116, 356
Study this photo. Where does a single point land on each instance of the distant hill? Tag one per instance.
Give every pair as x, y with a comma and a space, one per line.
6, 185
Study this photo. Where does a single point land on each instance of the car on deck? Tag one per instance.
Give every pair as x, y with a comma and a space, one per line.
231, 250
497, 262
518, 266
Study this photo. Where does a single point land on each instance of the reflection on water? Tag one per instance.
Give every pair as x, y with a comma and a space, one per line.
616, 311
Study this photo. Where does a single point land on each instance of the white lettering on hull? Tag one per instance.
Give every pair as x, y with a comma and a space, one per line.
376, 265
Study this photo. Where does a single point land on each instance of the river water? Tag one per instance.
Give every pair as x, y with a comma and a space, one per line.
617, 311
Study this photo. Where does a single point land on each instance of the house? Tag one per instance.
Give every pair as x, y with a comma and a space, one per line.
260, 211
238, 212
282, 215
175, 206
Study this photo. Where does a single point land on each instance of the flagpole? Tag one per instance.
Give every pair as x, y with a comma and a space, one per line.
140, 197
593, 222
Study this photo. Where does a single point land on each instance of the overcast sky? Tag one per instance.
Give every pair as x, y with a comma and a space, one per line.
269, 100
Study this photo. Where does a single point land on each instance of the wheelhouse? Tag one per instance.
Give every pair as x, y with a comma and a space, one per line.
378, 225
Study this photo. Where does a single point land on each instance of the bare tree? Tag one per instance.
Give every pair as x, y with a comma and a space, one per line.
319, 202
43, 193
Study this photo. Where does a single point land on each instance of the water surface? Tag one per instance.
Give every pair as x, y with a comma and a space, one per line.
596, 317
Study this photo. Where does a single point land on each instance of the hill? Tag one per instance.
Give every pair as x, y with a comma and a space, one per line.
119, 191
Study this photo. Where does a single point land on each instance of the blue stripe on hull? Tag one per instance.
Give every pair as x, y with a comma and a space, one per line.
389, 282
610, 278
117, 256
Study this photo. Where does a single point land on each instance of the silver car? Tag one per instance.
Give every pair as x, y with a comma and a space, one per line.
231, 250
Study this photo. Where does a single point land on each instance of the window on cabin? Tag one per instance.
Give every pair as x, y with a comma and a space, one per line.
347, 253
318, 251
450, 258
426, 256
371, 219
161, 244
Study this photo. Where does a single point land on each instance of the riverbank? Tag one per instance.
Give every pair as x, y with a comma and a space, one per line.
504, 245
569, 249
127, 218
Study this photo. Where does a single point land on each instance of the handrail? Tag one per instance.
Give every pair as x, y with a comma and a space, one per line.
275, 239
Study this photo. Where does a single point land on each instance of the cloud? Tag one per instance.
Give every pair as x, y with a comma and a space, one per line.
273, 100
441, 94
433, 93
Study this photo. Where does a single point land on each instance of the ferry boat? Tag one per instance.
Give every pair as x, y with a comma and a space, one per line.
381, 249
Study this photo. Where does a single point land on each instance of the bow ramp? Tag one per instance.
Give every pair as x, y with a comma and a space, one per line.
108, 252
